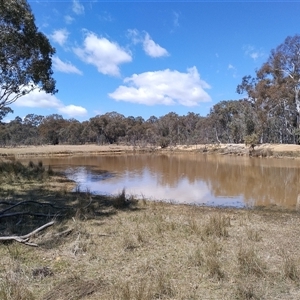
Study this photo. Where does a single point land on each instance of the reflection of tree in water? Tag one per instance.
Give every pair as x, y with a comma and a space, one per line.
264, 186
262, 181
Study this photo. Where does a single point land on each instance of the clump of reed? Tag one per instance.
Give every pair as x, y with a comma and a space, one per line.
121, 201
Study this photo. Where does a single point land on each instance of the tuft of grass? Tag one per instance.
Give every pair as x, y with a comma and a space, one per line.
129, 243
289, 267
74, 288
120, 201
156, 286
213, 267
194, 225
250, 263
208, 258
217, 226
15, 171
253, 235
246, 290
212, 252
141, 290
197, 259
12, 287
164, 287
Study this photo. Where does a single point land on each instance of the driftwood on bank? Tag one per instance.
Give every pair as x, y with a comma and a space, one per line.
24, 239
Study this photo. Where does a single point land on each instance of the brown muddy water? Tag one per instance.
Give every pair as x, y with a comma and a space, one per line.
189, 178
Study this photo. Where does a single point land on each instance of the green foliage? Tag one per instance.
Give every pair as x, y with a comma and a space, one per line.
164, 142
251, 140
25, 53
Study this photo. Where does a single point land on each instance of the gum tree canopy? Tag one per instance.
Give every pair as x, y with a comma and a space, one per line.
275, 92
25, 54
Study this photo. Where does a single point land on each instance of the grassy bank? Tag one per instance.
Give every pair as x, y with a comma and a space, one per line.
119, 248
265, 150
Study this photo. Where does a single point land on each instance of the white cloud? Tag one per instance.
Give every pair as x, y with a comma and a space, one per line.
106, 17
73, 110
164, 87
105, 55
68, 19
253, 52
60, 36
175, 19
152, 49
40, 99
233, 70
135, 36
78, 8
65, 67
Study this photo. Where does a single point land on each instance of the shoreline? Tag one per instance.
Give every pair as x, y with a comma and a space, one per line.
265, 150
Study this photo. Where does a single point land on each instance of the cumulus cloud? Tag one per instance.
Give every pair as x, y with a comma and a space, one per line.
152, 49
165, 87
102, 53
72, 110
40, 99
77, 8
64, 67
253, 52
60, 36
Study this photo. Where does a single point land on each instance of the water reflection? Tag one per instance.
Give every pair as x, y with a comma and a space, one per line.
189, 178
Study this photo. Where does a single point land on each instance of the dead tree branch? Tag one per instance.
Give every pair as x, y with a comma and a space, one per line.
24, 239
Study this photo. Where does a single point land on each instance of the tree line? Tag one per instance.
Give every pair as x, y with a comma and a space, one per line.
232, 121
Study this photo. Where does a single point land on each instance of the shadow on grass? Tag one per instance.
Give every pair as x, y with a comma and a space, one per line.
31, 196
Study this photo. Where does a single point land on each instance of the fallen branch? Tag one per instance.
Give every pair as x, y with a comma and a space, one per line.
29, 214
64, 233
25, 238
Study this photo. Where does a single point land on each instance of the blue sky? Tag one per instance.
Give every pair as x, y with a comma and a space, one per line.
143, 58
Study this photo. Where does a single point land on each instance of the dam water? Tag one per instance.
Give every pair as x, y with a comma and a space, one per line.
190, 178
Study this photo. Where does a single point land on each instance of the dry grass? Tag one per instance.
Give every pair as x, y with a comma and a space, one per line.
104, 248
264, 150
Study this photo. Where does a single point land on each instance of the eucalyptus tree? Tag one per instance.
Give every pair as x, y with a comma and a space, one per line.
189, 123
108, 128
25, 54
275, 92
135, 130
71, 132
232, 120
169, 129
50, 129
